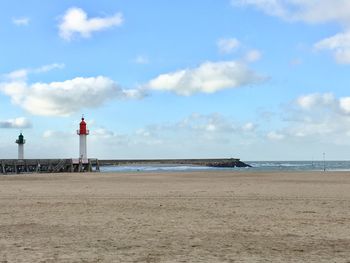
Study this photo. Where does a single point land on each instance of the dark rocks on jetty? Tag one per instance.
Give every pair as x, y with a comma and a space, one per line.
222, 163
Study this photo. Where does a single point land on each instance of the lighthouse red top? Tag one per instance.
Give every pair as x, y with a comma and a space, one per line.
82, 128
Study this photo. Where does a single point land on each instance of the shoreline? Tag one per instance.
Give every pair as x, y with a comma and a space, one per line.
212, 172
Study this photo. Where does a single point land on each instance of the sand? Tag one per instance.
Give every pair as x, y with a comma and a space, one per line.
175, 217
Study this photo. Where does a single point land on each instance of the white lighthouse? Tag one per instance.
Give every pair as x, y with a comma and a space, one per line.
21, 141
82, 132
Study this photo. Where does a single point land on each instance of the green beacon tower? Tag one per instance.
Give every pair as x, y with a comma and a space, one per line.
21, 141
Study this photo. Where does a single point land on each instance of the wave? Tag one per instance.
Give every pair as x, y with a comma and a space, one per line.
150, 168
301, 165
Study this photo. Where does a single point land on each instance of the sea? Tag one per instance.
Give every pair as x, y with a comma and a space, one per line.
257, 166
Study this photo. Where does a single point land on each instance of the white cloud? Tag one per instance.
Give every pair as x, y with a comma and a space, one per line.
344, 104
69, 96
17, 74
105, 136
318, 117
141, 59
17, 123
57, 134
248, 127
227, 45
271, 7
64, 98
21, 21
204, 125
275, 136
75, 21
194, 130
339, 44
311, 101
47, 68
252, 55
296, 62
143, 133
104, 133
312, 11
22, 74
209, 123
209, 77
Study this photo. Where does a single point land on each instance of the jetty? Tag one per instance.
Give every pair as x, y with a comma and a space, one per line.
16, 166
223, 163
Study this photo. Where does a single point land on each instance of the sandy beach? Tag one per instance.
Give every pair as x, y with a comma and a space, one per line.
175, 217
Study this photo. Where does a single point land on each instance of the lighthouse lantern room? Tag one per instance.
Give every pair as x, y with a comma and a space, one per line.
83, 132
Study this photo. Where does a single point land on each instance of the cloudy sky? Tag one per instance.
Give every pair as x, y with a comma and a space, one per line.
254, 79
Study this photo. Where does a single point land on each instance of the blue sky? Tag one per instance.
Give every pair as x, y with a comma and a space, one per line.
254, 79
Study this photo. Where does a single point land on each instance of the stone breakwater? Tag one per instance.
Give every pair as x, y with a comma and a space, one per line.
222, 163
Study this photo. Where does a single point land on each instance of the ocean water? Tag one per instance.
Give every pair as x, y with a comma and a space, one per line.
153, 168
256, 166
300, 166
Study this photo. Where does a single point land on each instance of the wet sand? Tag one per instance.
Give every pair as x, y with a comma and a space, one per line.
175, 217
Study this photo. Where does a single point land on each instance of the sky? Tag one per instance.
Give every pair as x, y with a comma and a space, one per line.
249, 79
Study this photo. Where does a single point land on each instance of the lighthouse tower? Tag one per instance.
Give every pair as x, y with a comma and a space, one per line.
82, 132
21, 141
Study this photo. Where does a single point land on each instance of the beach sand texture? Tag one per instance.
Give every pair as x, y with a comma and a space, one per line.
175, 217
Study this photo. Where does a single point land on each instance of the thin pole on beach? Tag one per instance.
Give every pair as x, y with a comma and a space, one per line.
324, 162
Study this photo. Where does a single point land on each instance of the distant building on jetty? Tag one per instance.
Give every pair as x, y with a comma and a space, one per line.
20, 141
83, 132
